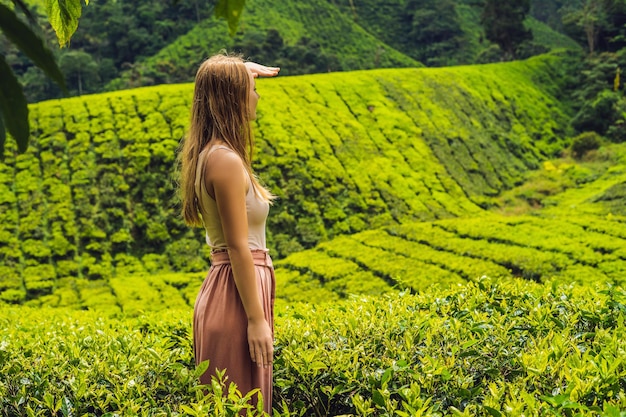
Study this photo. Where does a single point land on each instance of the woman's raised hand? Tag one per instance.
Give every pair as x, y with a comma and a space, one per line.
259, 70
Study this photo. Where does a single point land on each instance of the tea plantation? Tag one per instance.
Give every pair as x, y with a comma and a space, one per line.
437, 251
482, 348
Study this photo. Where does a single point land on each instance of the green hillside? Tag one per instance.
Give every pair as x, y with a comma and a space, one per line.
318, 36
459, 32
94, 196
314, 29
123, 44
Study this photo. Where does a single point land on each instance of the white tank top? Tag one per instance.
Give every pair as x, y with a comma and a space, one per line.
256, 208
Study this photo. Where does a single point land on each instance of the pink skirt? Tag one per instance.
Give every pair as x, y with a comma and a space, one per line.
220, 325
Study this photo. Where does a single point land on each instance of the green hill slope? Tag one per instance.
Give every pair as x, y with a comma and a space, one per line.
324, 36
94, 197
391, 22
304, 25
371, 34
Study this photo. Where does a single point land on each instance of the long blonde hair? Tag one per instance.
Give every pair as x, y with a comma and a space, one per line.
219, 111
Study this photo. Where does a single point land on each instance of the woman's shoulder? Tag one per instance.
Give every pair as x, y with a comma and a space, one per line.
223, 161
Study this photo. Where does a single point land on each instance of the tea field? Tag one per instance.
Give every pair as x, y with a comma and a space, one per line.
438, 251
486, 347
94, 197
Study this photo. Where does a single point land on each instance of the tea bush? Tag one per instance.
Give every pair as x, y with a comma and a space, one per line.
487, 348
411, 256
585, 142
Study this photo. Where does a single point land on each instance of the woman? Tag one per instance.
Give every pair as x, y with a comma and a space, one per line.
233, 313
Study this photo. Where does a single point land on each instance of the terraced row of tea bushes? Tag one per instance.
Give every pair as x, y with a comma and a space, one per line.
599, 187
411, 256
94, 196
131, 294
486, 134
484, 348
378, 157
418, 255
93, 186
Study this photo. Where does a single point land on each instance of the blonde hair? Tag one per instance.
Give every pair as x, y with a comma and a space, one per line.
220, 110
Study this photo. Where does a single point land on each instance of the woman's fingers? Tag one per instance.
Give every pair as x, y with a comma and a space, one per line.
259, 70
260, 342
262, 354
259, 358
268, 354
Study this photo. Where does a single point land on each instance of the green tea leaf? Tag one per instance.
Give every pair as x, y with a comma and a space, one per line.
492, 411
387, 375
201, 369
378, 398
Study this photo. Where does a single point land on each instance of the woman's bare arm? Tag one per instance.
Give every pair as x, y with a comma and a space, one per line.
227, 179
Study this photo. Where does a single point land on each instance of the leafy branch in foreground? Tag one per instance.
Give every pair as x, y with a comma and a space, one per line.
13, 106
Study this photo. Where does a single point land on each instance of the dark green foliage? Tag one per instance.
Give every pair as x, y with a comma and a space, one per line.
304, 57
584, 143
452, 36
599, 96
80, 70
596, 24
549, 12
140, 43
434, 31
598, 93
130, 30
301, 37
503, 22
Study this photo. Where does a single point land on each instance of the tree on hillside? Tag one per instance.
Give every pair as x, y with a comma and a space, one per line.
600, 23
435, 30
548, 11
503, 22
597, 94
63, 16
590, 18
80, 70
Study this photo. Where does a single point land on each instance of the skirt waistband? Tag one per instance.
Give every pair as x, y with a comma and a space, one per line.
260, 257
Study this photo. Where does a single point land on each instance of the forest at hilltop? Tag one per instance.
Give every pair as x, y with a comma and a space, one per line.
125, 44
